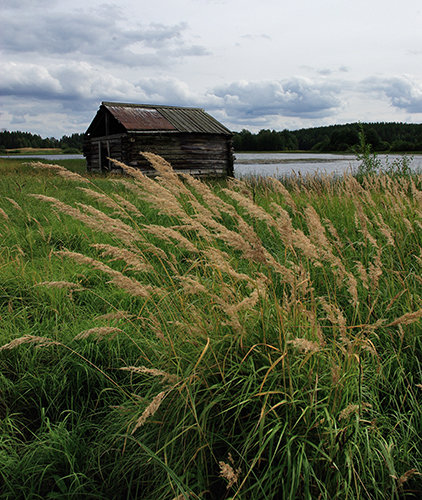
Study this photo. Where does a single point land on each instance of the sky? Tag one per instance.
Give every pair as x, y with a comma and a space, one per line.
272, 64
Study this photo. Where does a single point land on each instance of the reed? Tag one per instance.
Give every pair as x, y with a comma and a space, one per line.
210, 340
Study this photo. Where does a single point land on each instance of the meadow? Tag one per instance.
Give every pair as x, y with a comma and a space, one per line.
172, 338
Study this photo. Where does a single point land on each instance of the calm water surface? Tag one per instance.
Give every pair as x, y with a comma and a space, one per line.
280, 164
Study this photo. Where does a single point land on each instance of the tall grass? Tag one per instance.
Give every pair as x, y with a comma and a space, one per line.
171, 338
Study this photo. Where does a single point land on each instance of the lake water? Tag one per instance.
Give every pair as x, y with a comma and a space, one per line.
281, 164
277, 164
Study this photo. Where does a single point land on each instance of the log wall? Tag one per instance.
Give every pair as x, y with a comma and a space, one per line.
197, 154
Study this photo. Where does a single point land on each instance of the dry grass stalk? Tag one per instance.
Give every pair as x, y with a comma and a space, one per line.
362, 274
335, 317
220, 260
333, 231
4, 214
130, 285
228, 473
29, 339
407, 319
158, 196
384, 229
62, 171
316, 229
115, 316
135, 288
252, 208
14, 203
281, 189
135, 260
375, 270
99, 221
84, 259
62, 285
150, 410
305, 345
364, 222
353, 409
116, 227
192, 286
166, 377
102, 198
214, 203
129, 207
168, 234
100, 332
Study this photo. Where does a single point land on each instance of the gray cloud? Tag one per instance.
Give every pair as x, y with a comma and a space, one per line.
403, 92
98, 35
294, 97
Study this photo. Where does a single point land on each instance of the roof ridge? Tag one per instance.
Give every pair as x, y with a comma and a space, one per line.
153, 106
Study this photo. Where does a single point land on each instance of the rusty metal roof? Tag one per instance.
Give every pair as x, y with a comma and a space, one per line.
148, 117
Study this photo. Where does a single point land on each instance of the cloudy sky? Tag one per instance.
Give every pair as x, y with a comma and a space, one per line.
251, 64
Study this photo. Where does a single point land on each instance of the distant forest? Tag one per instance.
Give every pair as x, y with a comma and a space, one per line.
383, 137
17, 140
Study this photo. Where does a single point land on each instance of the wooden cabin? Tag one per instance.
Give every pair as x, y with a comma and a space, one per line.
190, 139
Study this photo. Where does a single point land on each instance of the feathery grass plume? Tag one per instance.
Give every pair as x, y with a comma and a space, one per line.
14, 203
130, 285
29, 339
316, 229
99, 332
150, 410
153, 193
362, 274
305, 345
252, 208
61, 285
279, 187
114, 226
84, 259
4, 214
192, 286
408, 224
59, 170
407, 318
335, 317
167, 177
116, 315
134, 260
364, 222
166, 377
220, 260
214, 203
130, 186
228, 473
128, 206
375, 270
353, 409
99, 221
135, 288
333, 231
168, 234
384, 229
106, 200
406, 476
240, 186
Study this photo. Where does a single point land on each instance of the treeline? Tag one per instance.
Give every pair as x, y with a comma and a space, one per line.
383, 137
17, 140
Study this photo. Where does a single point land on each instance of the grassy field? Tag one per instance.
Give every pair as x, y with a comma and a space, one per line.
176, 339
